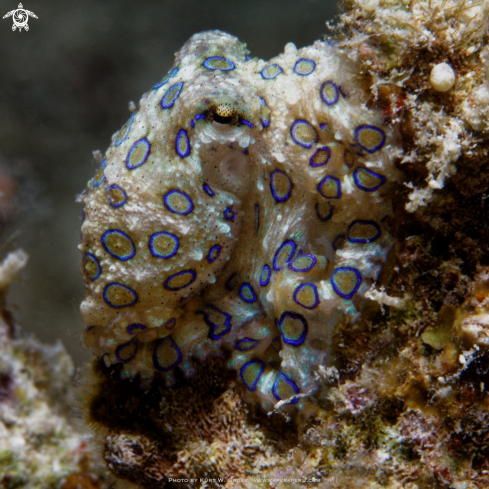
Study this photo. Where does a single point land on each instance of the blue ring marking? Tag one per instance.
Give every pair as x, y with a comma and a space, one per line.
274, 66
208, 65
143, 159
277, 253
306, 269
124, 235
97, 183
170, 208
247, 123
257, 218
182, 134
120, 189
170, 324
330, 84
277, 197
315, 292
208, 190
310, 62
299, 318
232, 281
265, 275
252, 388
323, 217
359, 129
365, 223
265, 122
166, 78
125, 345
127, 289
246, 344
215, 250
355, 289
155, 354
190, 272
159, 255
247, 289
196, 118
229, 214
166, 104
132, 328
284, 378
118, 142
326, 180
300, 143
381, 178
99, 268
337, 244
324, 149
214, 326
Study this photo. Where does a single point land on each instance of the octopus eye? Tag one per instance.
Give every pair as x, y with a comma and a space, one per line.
223, 114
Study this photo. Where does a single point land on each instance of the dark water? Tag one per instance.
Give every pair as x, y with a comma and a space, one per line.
64, 90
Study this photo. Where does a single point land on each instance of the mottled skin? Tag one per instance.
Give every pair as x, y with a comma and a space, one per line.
224, 162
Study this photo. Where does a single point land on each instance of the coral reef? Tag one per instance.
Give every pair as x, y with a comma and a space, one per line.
397, 397
39, 445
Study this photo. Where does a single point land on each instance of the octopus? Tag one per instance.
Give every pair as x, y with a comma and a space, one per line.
240, 211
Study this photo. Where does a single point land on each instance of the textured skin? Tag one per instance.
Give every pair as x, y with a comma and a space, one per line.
248, 166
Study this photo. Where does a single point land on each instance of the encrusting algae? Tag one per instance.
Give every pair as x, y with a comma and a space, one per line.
287, 264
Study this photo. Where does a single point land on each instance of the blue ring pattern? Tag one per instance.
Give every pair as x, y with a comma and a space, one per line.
356, 287
252, 388
277, 71
128, 289
333, 85
118, 142
283, 377
123, 235
265, 275
277, 253
208, 63
166, 104
214, 253
190, 272
247, 293
142, 160
159, 255
167, 196
182, 134
310, 62
293, 316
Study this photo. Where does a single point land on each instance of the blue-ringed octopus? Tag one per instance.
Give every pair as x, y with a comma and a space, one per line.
240, 209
